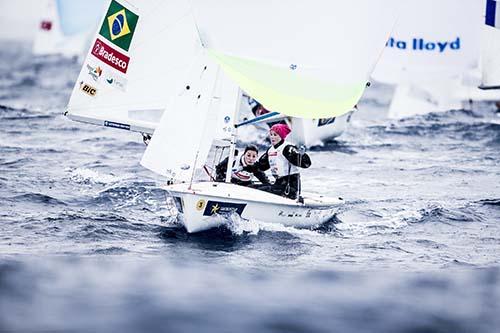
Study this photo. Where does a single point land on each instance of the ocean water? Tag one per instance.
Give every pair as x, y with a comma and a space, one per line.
87, 243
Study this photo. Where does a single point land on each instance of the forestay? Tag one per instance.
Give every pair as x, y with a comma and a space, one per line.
140, 53
309, 59
490, 47
431, 40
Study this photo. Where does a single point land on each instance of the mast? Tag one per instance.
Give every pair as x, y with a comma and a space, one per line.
234, 136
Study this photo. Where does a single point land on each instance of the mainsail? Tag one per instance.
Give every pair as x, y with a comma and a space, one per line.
138, 58
490, 47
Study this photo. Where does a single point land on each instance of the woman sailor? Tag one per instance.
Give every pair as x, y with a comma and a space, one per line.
243, 169
284, 160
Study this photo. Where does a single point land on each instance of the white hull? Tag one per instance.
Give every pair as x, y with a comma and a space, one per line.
207, 204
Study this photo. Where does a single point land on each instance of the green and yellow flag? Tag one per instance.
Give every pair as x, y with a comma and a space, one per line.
119, 25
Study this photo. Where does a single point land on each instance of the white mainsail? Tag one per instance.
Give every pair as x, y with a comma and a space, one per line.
66, 27
490, 47
130, 88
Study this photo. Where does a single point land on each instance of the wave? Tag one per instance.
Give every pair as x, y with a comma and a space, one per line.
490, 202
110, 250
11, 113
132, 194
16, 163
90, 176
37, 198
436, 213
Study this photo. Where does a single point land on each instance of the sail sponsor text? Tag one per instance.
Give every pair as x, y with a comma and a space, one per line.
420, 44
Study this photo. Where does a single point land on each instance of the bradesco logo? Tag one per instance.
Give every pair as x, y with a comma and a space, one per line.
110, 56
119, 25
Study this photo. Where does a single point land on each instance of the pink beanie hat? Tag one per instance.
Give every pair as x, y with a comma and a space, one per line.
281, 129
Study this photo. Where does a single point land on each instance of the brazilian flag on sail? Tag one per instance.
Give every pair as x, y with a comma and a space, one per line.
119, 25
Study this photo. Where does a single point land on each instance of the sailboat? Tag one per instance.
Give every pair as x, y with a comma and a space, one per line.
305, 132
190, 61
432, 57
66, 27
490, 47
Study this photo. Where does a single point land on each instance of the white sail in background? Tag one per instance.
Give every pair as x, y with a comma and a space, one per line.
420, 100
431, 40
433, 48
127, 82
66, 27
307, 59
490, 47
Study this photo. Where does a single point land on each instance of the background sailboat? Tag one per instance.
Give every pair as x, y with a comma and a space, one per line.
490, 47
433, 56
66, 27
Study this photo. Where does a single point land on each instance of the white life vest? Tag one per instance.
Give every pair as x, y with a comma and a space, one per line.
238, 173
280, 166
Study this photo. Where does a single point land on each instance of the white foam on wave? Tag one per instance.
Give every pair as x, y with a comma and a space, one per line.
240, 226
84, 175
387, 223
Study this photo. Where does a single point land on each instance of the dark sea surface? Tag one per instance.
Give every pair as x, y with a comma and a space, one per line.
87, 243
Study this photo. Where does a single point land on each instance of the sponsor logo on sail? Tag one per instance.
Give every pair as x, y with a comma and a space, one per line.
116, 125
110, 56
88, 89
46, 25
219, 207
420, 44
325, 121
116, 81
94, 72
119, 25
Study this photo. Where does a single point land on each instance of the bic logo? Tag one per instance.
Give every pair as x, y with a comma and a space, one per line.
88, 89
